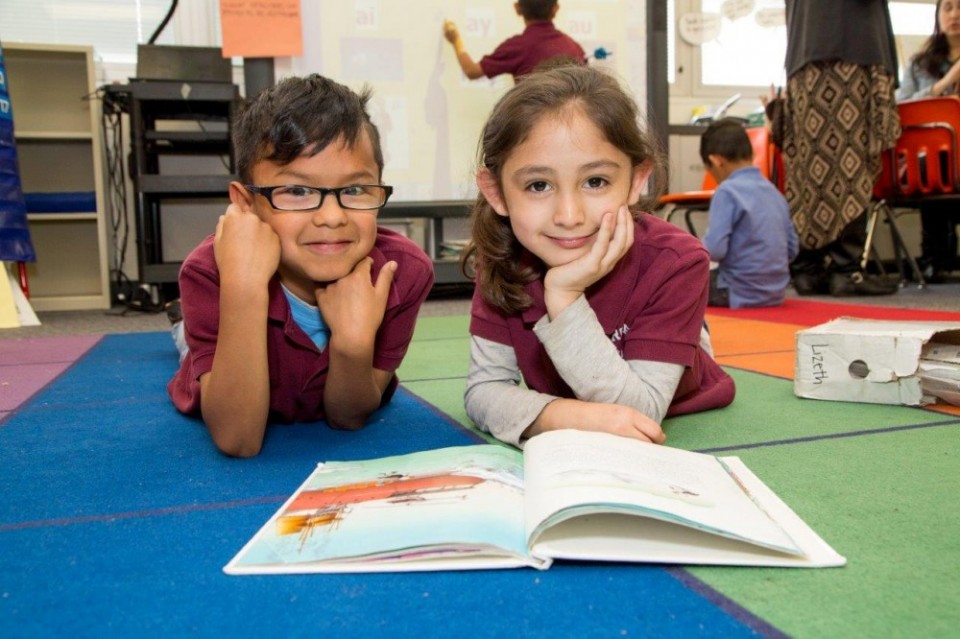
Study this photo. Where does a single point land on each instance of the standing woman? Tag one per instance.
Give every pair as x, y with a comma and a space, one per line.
933, 72
836, 117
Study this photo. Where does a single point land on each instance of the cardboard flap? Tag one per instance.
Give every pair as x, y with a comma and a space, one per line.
908, 355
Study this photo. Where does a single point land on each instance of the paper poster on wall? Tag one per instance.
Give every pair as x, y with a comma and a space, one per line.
771, 17
261, 28
736, 9
698, 28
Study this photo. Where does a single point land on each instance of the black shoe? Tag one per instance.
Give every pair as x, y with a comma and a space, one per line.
810, 284
173, 311
846, 284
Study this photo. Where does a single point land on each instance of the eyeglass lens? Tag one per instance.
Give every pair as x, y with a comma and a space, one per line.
298, 198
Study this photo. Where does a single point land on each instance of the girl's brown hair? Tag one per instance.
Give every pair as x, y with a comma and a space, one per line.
935, 53
494, 254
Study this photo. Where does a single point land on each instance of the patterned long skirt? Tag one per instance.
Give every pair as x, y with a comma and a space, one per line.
832, 126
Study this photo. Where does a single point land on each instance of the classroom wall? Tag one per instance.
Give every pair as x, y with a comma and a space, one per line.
429, 114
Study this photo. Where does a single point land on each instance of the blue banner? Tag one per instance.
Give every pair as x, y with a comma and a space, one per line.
15, 244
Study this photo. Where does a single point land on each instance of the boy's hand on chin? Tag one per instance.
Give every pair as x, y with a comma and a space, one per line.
564, 284
353, 306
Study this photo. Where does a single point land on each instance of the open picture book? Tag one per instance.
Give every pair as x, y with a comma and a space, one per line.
569, 495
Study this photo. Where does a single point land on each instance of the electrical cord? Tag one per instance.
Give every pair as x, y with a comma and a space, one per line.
133, 297
111, 115
163, 24
152, 40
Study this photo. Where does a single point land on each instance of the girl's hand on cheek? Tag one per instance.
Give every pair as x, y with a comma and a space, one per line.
564, 284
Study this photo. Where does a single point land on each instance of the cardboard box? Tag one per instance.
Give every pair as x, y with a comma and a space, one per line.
860, 360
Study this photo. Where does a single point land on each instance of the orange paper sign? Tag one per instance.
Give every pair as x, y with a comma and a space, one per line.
261, 28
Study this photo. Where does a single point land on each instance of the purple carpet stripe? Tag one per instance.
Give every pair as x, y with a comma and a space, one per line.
20, 383
726, 604
40, 350
140, 514
28, 366
814, 438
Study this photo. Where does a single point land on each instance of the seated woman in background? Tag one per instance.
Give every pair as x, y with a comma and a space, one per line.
933, 72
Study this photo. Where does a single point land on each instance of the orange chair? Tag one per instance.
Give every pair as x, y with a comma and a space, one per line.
766, 157
925, 155
922, 166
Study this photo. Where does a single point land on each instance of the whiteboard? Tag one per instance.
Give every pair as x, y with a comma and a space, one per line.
429, 115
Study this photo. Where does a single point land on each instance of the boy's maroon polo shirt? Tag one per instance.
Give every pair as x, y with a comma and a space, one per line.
520, 54
298, 370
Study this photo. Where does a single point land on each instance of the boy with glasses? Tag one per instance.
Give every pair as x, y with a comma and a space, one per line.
299, 307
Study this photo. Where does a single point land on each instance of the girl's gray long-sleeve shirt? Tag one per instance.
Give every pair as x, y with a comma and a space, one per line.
586, 360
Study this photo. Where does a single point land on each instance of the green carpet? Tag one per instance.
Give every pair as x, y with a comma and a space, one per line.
879, 483
887, 502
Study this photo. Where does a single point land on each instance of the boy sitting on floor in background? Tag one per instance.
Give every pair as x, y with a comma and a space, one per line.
299, 307
750, 234
520, 54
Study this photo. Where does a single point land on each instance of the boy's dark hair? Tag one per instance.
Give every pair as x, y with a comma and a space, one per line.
494, 253
537, 9
726, 138
300, 115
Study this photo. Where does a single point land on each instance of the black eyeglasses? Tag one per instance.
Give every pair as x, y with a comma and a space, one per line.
294, 197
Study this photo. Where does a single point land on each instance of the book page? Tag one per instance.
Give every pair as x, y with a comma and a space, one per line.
453, 503
571, 473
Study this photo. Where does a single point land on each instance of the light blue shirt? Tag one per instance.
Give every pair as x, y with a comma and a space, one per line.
751, 236
308, 318
918, 83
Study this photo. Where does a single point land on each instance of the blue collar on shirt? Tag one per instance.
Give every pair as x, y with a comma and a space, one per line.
308, 318
278, 310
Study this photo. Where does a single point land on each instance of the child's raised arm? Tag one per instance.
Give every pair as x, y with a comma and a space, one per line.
235, 394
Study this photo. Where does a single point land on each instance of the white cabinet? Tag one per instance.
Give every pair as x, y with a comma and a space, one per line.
56, 118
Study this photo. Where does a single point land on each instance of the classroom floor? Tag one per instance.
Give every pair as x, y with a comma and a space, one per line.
115, 497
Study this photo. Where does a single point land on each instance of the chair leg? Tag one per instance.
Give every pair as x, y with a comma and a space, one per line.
901, 245
868, 244
687, 212
688, 218
673, 211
